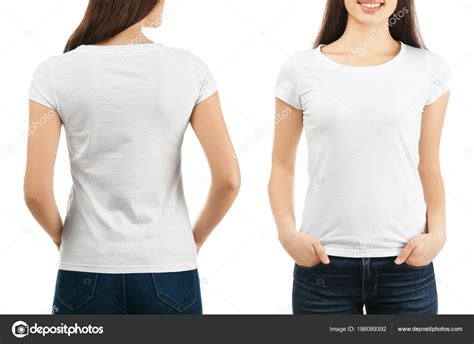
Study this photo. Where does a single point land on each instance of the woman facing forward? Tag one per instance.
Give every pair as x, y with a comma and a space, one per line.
372, 101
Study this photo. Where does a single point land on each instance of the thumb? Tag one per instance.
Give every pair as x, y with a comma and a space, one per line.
321, 252
403, 256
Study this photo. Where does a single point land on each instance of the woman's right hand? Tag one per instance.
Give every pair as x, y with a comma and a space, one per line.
305, 249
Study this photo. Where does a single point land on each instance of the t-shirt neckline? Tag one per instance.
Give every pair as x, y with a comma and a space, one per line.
121, 47
377, 67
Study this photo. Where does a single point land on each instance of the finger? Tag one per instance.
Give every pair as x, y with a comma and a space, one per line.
407, 251
320, 252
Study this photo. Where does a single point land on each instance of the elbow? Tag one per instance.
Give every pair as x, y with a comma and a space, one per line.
34, 197
233, 183
430, 173
229, 184
429, 169
272, 180
32, 200
270, 187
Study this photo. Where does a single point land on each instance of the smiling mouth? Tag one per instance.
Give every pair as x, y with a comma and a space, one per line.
370, 5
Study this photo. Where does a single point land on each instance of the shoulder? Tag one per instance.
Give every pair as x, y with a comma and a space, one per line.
427, 57
181, 53
46, 69
48, 63
187, 58
300, 57
57, 62
298, 63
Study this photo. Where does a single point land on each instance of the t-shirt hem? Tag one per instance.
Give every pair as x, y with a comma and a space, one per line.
438, 95
126, 269
208, 94
43, 102
361, 253
286, 98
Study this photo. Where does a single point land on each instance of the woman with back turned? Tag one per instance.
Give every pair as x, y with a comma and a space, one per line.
126, 245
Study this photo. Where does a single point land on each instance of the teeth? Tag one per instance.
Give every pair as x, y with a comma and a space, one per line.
370, 5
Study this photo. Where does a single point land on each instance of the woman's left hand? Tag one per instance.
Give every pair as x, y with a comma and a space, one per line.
421, 250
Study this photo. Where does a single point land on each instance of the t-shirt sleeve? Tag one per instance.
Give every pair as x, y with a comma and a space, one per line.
205, 82
440, 74
287, 85
42, 87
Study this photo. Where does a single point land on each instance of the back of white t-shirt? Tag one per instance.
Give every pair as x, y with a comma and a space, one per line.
125, 110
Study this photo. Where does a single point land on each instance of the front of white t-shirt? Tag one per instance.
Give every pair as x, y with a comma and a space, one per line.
125, 110
363, 124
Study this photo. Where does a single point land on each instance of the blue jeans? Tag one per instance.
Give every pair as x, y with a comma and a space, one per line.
141, 293
346, 285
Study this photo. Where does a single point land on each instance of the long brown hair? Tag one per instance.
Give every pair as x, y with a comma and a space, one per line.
403, 23
106, 18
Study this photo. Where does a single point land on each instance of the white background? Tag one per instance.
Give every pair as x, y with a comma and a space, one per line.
243, 268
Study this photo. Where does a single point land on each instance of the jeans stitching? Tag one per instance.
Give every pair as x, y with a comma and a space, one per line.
179, 308
416, 267
376, 287
112, 302
124, 294
69, 305
362, 270
309, 267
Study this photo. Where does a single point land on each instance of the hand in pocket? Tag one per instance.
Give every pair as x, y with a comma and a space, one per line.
421, 250
305, 249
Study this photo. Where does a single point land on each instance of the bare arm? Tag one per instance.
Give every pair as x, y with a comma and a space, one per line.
43, 140
429, 167
285, 145
208, 123
304, 249
424, 248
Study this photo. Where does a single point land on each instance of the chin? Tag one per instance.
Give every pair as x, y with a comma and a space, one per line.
370, 20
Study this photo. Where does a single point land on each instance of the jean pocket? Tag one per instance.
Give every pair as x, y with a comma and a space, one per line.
413, 267
177, 289
308, 267
75, 289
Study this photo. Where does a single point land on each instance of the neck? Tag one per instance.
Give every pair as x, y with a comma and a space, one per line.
373, 38
132, 35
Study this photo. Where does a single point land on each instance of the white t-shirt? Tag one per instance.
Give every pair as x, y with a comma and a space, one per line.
125, 110
362, 124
